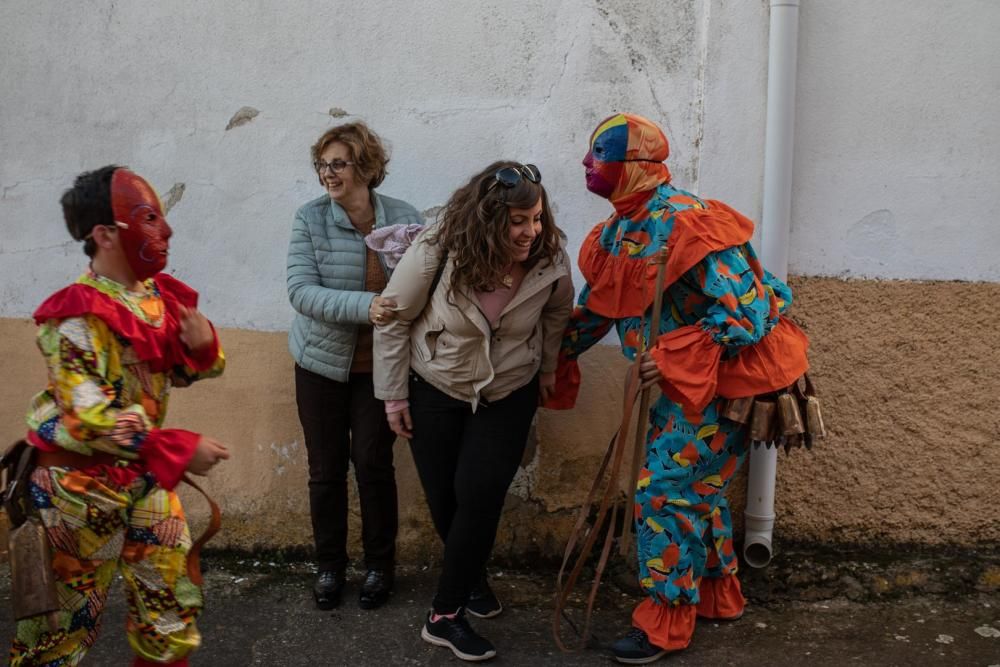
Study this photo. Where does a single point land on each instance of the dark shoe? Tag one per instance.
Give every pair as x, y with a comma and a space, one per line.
376, 589
635, 649
458, 635
483, 602
327, 589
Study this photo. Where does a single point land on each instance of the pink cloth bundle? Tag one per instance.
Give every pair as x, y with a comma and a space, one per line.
392, 241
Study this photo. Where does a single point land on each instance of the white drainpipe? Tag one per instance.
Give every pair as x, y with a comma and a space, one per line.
781, 62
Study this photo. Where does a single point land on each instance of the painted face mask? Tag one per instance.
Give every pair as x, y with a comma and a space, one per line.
143, 229
626, 158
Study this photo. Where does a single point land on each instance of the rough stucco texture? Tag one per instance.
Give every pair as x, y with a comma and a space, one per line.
910, 376
910, 386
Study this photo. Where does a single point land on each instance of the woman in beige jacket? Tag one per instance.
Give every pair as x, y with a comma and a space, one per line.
482, 299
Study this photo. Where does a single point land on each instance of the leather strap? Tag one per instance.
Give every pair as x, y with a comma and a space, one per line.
614, 455
214, 524
16, 465
639, 448
609, 505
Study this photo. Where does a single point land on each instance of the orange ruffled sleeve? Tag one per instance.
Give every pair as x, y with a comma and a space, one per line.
688, 360
694, 372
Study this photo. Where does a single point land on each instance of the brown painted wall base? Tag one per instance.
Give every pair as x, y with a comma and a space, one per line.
908, 373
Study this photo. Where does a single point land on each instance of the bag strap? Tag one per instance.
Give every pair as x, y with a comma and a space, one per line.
437, 275
16, 464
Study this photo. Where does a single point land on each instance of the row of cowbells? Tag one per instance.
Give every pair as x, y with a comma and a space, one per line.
790, 418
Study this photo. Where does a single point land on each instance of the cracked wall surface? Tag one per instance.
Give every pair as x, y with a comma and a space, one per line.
226, 103
238, 98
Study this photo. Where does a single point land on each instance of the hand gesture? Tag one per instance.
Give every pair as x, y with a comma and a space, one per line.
649, 372
196, 333
208, 452
401, 423
546, 387
381, 311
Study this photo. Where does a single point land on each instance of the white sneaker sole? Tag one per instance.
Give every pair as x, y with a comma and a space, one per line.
641, 661
492, 614
437, 641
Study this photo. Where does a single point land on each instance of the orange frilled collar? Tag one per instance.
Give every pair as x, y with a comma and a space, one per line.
615, 258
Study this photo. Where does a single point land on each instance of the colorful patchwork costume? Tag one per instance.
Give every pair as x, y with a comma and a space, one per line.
722, 335
112, 358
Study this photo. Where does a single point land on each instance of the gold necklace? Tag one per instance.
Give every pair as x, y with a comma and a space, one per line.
507, 280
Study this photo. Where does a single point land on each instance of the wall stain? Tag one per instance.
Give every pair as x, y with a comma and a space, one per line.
173, 196
242, 117
874, 236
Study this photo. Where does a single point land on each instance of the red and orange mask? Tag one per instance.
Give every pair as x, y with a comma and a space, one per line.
626, 158
142, 227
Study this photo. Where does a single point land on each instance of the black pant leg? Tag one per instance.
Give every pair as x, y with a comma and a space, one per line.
324, 415
493, 441
437, 432
371, 453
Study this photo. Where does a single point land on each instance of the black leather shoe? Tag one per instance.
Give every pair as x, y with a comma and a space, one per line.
376, 589
327, 589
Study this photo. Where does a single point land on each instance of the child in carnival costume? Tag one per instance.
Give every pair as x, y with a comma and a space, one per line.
723, 335
115, 341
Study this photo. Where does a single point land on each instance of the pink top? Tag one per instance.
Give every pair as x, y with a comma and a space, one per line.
492, 304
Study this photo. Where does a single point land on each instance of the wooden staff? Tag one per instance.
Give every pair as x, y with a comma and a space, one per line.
639, 448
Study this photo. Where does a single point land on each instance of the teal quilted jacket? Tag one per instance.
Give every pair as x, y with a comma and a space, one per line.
326, 275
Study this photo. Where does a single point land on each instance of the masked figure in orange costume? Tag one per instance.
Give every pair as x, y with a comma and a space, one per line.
722, 335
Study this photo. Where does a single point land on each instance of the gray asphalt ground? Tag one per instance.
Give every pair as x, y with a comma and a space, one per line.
803, 611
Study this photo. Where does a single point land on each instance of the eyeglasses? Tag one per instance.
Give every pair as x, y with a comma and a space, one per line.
335, 166
509, 177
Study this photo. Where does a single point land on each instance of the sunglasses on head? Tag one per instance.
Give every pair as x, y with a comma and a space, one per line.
509, 177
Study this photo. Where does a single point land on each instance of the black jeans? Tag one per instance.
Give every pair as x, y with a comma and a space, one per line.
343, 421
466, 462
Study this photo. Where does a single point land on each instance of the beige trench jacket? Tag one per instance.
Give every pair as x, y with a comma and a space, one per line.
448, 341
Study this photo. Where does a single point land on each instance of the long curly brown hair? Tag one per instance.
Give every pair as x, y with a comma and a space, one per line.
474, 228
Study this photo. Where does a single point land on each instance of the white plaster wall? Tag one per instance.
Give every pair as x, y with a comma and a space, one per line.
897, 155
896, 142
452, 85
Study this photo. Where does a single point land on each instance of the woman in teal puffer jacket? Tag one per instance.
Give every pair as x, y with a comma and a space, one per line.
333, 284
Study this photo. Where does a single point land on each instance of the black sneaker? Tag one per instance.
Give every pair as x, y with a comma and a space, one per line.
458, 635
483, 602
376, 589
327, 589
635, 649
